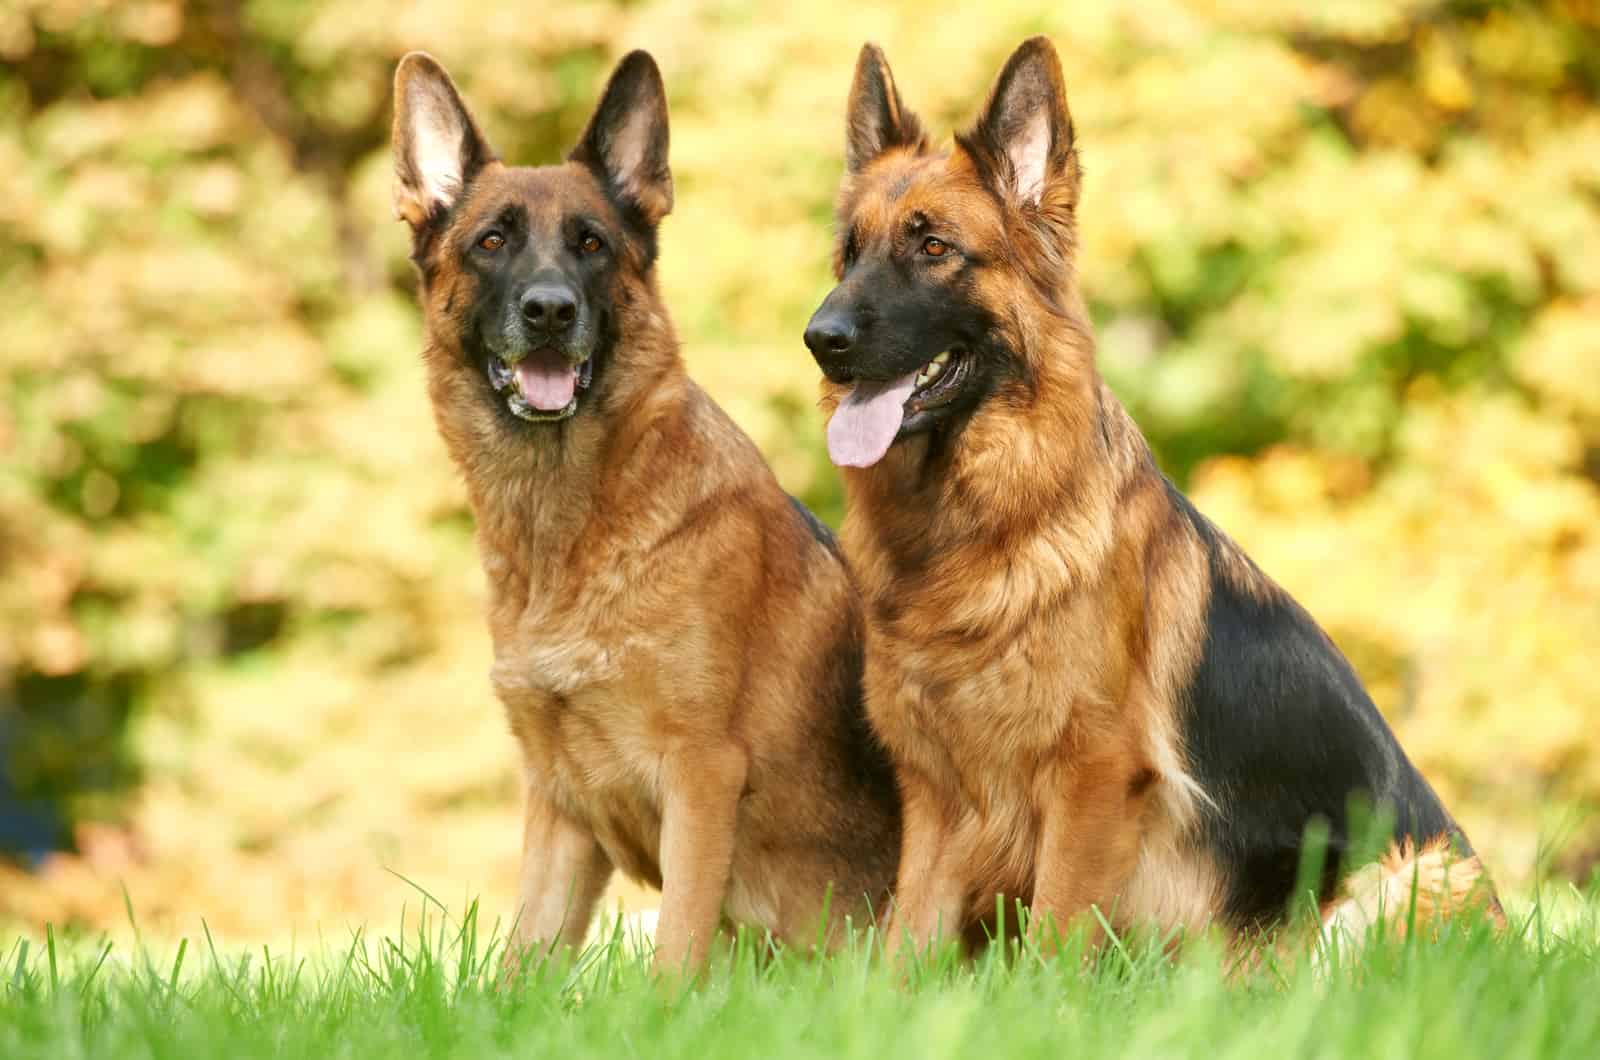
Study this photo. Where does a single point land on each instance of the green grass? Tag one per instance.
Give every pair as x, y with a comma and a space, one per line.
433, 989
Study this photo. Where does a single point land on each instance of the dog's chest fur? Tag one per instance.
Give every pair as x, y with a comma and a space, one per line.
580, 668
997, 669
982, 717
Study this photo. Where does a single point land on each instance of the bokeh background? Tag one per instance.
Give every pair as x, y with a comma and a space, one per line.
1344, 259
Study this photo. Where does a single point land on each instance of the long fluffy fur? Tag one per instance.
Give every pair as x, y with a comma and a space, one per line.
1409, 890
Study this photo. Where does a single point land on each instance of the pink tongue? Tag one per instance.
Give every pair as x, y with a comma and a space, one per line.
866, 421
546, 380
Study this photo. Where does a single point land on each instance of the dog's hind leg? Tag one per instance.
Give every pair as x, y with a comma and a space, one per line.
1410, 889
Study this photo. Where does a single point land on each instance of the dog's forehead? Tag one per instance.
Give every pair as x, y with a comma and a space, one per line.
545, 195
943, 189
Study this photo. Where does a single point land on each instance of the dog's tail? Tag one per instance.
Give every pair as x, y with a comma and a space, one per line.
1410, 890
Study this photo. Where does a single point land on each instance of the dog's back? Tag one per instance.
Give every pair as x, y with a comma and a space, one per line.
1280, 732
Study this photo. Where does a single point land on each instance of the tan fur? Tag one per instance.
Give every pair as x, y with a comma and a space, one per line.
1409, 889
1034, 606
663, 626
1036, 602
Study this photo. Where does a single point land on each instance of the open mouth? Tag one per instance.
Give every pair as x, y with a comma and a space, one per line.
542, 386
875, 412
938, 380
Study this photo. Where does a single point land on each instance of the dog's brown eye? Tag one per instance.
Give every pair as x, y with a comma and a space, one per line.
492, 241
935, 247
591, 244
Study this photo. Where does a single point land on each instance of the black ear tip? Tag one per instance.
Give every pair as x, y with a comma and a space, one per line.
639, 63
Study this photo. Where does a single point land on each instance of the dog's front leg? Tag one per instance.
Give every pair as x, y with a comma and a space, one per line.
701, 789
930, 895
564, 871
1088, 845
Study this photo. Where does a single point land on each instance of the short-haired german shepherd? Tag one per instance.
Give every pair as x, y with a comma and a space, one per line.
1092, 697
676, 641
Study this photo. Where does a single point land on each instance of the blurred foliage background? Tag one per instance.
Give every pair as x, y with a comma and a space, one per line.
1344, 259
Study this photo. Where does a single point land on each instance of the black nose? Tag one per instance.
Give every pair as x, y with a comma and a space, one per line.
830, 336
549, 307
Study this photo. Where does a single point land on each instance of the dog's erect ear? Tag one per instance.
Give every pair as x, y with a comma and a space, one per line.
876, 120
1023, 141
438, 148
626, 141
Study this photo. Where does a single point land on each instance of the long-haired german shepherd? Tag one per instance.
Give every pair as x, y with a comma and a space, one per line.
677, 643
1092, 697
